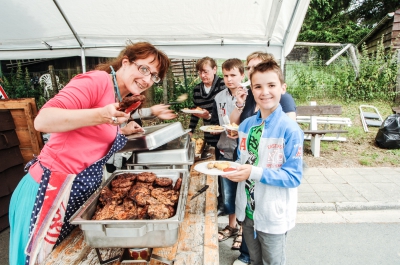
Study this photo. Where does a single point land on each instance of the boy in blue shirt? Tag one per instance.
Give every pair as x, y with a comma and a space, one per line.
271, 151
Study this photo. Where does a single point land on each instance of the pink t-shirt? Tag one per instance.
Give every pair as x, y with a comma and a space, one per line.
73, 151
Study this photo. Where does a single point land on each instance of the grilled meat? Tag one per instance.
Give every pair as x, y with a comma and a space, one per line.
178, 184
128, 101
105, 213
140, 196
159, 211
148, 177
164, 182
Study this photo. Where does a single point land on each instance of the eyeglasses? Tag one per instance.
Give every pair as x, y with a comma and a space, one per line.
145, 70
203, 72
248, 68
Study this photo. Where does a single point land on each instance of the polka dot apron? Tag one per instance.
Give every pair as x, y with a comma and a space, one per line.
83, 186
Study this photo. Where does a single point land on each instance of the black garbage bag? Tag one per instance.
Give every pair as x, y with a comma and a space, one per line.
388, 135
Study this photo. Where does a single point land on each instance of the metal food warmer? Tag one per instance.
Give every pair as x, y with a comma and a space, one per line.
167, 151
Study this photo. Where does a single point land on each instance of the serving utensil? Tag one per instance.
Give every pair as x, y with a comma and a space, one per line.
200, 191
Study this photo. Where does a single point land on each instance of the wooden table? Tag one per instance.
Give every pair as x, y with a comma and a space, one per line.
197, 239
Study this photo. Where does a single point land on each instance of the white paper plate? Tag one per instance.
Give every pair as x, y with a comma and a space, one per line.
202, 168
192, 111
207, 129
230, 127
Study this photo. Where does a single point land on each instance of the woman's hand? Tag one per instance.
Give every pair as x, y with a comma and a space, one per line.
131, 128
163, 112
242, 173
111, 115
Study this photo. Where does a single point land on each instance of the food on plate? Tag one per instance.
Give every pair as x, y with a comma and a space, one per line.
215, 128
196, 108
234, 125
130, 103
219, 165
138, 196
199, 145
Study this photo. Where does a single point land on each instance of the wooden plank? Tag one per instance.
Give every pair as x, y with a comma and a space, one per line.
211, 244
6, 121
318, 110
24, 112
74, 250
324, 131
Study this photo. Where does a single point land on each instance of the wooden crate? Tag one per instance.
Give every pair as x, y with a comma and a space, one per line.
24, 111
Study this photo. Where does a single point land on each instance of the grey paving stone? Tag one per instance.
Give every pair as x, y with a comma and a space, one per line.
305, 188
371, 192
328, 172
321, 188
390, 189
355, 179
376, 178
366, 171
312, 171
317, 179
335, 179
345, 171
332, 196
310, 197
393, 177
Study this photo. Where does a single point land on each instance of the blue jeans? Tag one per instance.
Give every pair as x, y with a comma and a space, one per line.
244, 252
228, 192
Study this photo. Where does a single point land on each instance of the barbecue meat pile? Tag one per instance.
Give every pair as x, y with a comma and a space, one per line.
138, 196
128, 101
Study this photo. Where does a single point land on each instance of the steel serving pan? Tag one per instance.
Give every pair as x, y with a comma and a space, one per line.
153, 137
176, 152
132, 233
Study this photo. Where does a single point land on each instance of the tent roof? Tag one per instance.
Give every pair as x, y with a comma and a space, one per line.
181, 28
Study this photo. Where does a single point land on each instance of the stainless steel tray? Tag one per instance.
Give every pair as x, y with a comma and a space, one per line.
132, 233
177, 152
154, 136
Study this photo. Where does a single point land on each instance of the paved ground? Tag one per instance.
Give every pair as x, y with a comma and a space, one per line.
340, 196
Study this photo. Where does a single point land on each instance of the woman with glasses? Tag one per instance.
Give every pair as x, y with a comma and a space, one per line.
85, 126
203, 95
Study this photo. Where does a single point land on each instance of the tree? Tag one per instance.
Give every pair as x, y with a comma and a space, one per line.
370, 12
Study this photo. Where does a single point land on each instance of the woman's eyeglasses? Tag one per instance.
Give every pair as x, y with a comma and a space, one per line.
145, 70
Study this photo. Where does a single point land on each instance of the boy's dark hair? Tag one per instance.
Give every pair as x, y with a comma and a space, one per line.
201, 62
232, 63
269, 65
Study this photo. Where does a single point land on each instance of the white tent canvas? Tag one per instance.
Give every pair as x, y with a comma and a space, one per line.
181, 28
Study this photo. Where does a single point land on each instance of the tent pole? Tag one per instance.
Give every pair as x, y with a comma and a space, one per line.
83, 60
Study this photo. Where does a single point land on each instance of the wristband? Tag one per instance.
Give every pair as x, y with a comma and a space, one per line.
240, 109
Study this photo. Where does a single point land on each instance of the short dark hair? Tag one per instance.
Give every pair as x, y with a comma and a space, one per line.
269, 65
232, 63
201, 62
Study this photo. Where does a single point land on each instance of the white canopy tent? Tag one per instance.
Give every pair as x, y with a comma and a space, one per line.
181, 28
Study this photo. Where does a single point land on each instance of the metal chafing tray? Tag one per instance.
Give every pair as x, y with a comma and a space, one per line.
173, 154
153, 137
132, 233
